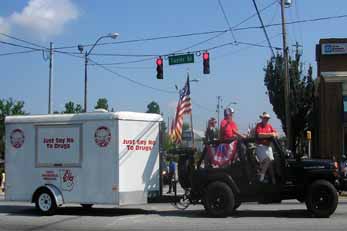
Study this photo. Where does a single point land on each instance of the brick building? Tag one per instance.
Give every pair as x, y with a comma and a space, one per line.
330, 138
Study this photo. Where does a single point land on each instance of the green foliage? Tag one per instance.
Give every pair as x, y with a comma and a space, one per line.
71, 108
185, 126
102, 104
153, 107
8, 107
301, 100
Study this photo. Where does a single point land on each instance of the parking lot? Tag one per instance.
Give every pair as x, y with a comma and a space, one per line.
289, 215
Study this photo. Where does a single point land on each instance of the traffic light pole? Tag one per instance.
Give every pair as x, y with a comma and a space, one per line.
286, 80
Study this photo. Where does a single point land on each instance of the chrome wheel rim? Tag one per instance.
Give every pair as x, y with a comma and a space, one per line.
45, 202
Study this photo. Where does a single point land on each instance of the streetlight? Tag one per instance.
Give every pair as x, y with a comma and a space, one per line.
86, 54
231, 103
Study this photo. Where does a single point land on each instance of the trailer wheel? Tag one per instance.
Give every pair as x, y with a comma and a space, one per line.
219, 199
321, 198
45, 202
87, 206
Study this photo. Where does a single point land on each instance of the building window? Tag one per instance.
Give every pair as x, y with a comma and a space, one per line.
345, 108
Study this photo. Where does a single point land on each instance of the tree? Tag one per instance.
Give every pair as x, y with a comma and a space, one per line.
301, 96
71, 108
7, 108
102, 104
185, 126
153, 107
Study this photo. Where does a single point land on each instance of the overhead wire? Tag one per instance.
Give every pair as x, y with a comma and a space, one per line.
208, 32
131, 80
21, 46
293, 22
174, 52
22, 40
227, 20
18, 52
146, 39
255, 14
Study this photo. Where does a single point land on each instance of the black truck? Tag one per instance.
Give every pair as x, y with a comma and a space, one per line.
222, 190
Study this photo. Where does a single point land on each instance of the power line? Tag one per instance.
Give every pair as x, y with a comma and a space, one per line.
152, 55
245, 48
227, 20
196, 51
22, 40
255, 14
175, 52
293, 22
18, 52
174, 36
21, 46
208, 32
118, 74
262, 25
132, 80
148, 39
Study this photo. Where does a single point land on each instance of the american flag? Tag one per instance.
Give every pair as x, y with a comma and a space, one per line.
184, 106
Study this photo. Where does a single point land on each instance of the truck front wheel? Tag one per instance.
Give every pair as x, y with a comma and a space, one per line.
45, 202
321, 198
219, 200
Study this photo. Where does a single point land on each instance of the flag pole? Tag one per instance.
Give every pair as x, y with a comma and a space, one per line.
191, 116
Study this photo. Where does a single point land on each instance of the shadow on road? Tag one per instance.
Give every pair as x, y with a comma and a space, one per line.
14, 210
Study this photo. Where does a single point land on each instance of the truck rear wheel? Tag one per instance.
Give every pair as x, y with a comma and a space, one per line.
219, 200
45, 202
321, 198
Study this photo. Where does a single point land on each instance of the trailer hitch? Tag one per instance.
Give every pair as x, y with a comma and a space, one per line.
181, 202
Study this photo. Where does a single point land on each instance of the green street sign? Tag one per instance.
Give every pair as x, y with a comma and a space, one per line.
181, 59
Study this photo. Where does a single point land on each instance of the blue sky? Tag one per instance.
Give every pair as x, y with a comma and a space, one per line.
236, 71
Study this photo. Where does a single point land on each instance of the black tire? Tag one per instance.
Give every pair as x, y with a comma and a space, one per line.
45, 202
321, 198
237, 205
219, 199
87, 206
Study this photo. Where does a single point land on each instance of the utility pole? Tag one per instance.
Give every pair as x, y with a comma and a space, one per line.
286, 78
85, 80
219, 104
50, 78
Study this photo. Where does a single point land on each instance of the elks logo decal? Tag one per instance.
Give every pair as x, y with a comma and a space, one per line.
102, 136
67, 180
17, 138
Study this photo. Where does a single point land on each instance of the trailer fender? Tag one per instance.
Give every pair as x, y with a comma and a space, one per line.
58, 196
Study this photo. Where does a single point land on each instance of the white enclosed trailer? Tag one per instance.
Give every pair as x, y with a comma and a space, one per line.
88, 158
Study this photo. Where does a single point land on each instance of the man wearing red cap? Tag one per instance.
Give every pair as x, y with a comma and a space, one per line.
264, 133
228, 127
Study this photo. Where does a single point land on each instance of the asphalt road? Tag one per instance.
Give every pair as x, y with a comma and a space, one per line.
286, 216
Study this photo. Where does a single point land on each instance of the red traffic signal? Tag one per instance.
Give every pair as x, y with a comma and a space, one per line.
160, 69
206, 62
159, 61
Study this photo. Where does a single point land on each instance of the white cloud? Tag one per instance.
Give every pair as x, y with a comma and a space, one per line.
45, 18
4, 26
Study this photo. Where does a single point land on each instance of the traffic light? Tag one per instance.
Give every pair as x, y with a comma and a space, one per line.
206, 59
160, 69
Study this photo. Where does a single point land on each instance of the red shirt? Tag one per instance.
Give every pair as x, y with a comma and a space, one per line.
260, 128
227, 129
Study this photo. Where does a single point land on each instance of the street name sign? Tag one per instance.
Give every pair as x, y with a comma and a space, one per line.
181, 59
